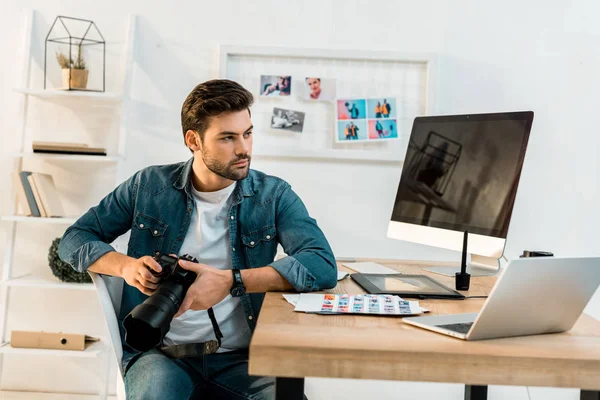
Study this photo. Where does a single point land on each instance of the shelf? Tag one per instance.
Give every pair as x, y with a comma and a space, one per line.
92, 351
70, 157
58, 93
47, 283
12, 395
51, 220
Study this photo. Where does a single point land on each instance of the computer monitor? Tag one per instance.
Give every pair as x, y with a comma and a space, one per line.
461, 173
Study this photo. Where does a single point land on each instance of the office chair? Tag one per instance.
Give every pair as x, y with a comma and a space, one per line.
109, 291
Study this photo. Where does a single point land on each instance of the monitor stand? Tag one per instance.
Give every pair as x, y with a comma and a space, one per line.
476, 266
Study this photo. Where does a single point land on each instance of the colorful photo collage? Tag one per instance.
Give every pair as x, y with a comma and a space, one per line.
360, 120
367, 304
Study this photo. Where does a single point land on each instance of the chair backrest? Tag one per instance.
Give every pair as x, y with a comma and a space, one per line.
110, 290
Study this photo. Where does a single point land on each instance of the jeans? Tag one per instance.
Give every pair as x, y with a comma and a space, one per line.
215, 376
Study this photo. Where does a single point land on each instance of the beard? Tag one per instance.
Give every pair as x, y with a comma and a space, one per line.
227, 170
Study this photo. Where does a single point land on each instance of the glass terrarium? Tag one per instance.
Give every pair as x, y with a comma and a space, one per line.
74, 56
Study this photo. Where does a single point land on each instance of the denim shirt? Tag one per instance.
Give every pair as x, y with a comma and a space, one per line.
156, 204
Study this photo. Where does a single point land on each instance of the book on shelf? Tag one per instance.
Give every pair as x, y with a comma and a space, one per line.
37, 194
21, 194
67, 148
29, 197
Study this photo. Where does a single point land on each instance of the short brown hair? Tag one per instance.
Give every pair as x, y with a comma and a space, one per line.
210, 99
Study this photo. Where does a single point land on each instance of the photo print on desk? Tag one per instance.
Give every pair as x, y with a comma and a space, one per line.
366, 120
275, 85
288, 120
319, 89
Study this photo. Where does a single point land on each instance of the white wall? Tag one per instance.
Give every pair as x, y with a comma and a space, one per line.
494, 56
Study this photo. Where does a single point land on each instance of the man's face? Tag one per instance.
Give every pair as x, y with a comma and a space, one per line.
284, 82
227, 146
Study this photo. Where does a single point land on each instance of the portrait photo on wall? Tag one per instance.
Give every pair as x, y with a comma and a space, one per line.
383, 129
319, 89
384, 107
352, 131
288, 120
351, 109
274, 85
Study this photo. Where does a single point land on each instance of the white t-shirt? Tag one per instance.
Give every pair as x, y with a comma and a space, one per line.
207, 240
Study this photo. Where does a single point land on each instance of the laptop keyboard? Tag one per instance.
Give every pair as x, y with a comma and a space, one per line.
460, 328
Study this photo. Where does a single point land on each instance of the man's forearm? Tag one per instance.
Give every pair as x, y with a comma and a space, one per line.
265, 279
111, 263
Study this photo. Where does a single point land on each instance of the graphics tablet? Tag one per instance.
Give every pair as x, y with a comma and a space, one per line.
416, 286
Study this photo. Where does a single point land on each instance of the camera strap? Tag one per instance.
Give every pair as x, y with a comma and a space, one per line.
196, 349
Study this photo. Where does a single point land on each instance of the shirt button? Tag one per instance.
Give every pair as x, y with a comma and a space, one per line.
251, 243
156, 232
233, 249
268, 236
179, 238
141, 225
250, 317
232, 217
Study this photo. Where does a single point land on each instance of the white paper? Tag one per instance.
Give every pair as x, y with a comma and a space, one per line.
370, 268
356, 304
341, 275
291, 298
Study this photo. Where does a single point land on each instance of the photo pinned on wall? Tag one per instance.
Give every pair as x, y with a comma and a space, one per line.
288, 120
384, 107
351, 109
319, 89
383, 129
377, 117
274, 85
352, 130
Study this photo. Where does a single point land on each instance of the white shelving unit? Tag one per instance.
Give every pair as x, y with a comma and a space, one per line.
70, 158
57, 93
8, 279
93, 351
43, 282
22, 218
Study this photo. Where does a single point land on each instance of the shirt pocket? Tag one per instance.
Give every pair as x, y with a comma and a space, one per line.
260, 246
147, 235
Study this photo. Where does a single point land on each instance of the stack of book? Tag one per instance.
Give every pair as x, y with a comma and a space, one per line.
67, 148
37, 194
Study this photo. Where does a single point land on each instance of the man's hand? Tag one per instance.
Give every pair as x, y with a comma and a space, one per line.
136, 274
210, 287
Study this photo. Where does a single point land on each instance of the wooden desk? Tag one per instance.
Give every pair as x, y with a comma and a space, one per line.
291, 345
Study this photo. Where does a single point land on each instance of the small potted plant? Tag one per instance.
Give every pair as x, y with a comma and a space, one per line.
74, 74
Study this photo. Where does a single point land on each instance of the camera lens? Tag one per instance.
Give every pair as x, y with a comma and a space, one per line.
149, 322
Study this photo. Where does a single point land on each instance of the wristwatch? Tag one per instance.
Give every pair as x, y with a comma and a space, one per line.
237, 289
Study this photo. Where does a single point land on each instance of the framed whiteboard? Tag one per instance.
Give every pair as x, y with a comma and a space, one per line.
410, 78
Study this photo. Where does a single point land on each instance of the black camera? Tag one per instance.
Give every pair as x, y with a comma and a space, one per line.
148, 323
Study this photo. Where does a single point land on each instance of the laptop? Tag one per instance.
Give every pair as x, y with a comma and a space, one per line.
533, 296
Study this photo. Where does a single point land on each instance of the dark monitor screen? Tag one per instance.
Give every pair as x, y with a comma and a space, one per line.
461, 172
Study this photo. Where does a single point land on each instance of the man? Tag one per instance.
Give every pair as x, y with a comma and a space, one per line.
231, 218
352, 110
281, 88
379, 128
386, 109
354, 131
